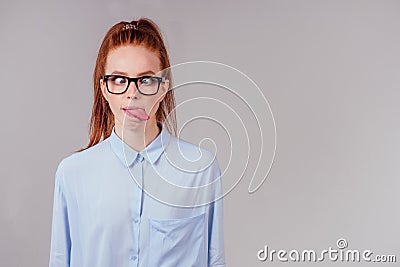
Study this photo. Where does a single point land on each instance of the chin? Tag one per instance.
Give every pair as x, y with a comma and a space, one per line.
131, 124
136, 128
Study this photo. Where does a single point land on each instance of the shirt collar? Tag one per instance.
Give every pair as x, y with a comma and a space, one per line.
151, 153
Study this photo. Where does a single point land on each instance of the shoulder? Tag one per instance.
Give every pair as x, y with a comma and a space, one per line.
84, 158
192, 153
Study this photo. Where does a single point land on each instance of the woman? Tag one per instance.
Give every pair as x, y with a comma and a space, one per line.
136, 195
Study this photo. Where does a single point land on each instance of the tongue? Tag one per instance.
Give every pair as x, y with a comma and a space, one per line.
138, 113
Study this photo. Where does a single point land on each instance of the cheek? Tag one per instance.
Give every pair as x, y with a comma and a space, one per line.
114, 103
154, 105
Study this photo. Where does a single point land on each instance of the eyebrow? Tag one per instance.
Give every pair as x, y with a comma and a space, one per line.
138, 75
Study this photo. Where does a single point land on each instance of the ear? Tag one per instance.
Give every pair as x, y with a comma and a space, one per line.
103, 89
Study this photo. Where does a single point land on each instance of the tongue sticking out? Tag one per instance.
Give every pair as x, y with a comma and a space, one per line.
137, 113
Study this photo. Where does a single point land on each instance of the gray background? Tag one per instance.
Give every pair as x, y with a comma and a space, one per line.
330, 70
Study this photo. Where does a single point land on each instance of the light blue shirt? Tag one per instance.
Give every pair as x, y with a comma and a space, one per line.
116, 207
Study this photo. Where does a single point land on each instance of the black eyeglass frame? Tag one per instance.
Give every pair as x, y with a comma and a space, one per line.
134, 80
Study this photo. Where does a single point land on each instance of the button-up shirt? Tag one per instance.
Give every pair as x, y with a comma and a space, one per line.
116, 207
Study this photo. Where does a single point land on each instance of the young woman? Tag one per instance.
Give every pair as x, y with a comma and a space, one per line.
136, 195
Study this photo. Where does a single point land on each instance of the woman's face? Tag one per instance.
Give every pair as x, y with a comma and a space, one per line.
131, 108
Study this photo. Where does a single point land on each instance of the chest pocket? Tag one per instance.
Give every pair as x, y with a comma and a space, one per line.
177, 242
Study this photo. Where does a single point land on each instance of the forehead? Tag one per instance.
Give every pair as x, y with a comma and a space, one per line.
132, 60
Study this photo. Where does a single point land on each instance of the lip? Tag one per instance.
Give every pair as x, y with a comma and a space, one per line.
131, 108
130, 112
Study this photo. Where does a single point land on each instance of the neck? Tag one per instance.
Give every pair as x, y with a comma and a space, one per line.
140, 137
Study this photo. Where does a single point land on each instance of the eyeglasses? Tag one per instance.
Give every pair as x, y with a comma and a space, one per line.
146, 85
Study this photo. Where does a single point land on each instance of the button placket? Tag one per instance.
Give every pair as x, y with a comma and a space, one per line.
137, 171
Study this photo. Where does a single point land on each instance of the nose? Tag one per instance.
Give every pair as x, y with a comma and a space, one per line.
132, 91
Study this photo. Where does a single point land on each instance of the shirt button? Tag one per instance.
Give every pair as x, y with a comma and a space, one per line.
133, 258
139, 158
136, 220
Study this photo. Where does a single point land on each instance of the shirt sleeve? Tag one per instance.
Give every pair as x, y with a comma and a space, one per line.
60, 234
216, 253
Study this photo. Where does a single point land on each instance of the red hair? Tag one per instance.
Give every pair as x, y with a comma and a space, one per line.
143, 32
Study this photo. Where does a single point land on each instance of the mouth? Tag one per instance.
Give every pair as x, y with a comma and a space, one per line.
136, 112
130, 108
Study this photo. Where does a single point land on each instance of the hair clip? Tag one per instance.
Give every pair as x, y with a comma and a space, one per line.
130, 26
